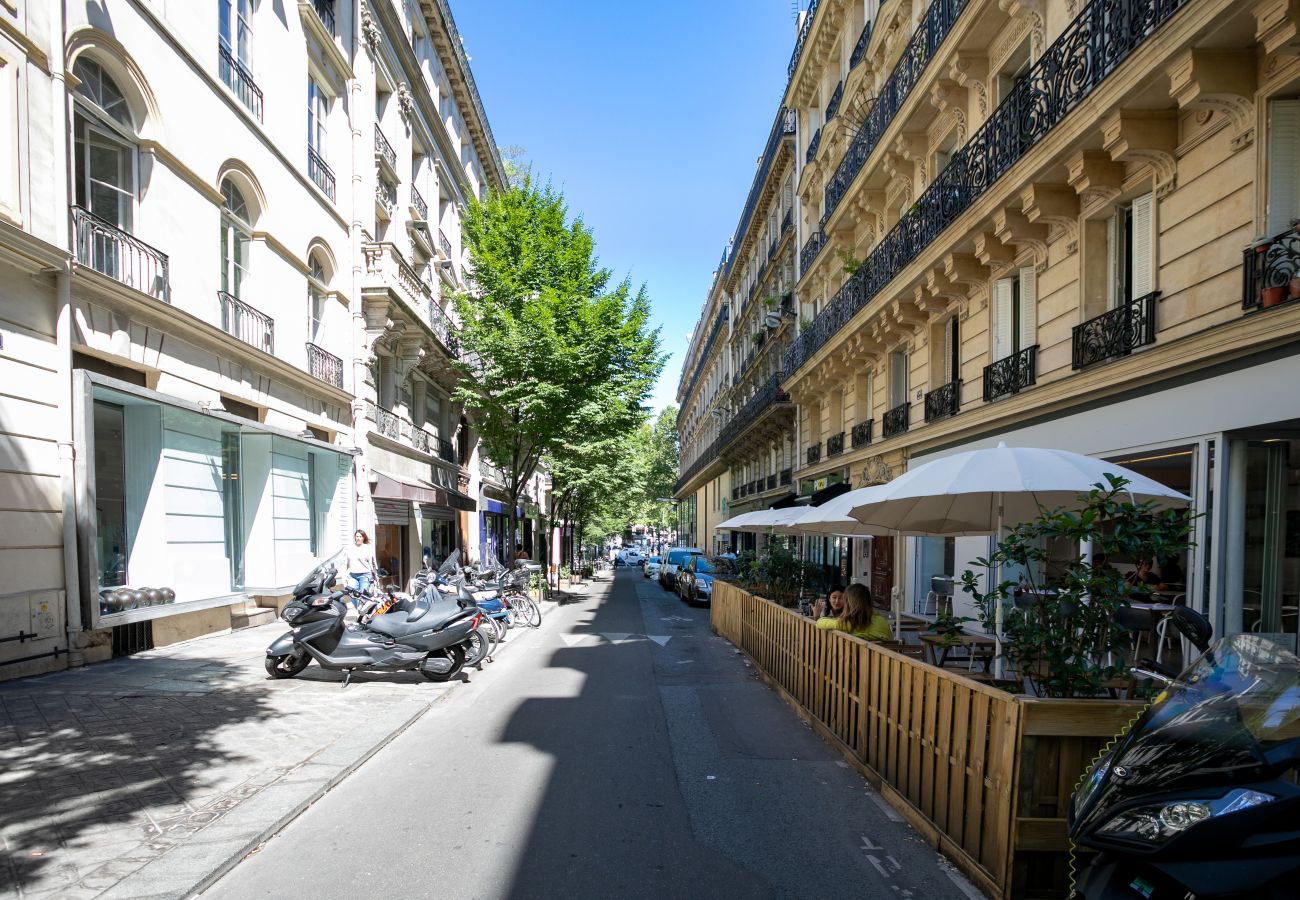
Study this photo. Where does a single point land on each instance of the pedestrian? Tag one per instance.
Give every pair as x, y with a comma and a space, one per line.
858, 618
831, 605
520, 553
361, 562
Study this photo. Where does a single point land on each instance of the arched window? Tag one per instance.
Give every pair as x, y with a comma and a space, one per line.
104, 152
235, 238
316, 291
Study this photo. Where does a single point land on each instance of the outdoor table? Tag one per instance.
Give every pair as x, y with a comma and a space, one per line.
978, 646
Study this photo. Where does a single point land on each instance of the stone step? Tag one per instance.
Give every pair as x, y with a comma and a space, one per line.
251, 617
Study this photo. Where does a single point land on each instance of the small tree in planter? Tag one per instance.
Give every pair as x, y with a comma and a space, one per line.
1066, 641
779, 575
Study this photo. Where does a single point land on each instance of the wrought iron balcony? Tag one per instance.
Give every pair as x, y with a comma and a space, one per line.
1269, 269
708, 456
240, 320
444, 244
1011, 374
325, 9
767, 396
239, 80
860, 48
443, 328
787, 222
943, 401
771, 249
735, 493
387, 423
1090, 48
895, 421
813, 454
417, 202
834, 105
102, 246
1115, 333
324, 365
771, 482
320, 173
718, 324
787, 475
835, 445
385, 196
861, 434
384, 150
446, 452
782, 127
813, 144
801, 37
811, 248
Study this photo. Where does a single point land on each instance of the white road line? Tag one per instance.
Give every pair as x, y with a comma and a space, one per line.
890, 813
879, 868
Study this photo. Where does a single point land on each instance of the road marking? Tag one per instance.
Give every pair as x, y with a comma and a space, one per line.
890, 813
660, 639
879, 868
615, 637
867, 845
960, 880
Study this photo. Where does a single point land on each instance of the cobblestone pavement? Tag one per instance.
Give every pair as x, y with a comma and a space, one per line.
148, 776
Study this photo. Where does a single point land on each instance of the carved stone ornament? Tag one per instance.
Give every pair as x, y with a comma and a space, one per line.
369, 31
874, 471
406, 103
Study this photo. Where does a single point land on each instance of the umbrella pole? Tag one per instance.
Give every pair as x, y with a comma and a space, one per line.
1000, 613
897, 592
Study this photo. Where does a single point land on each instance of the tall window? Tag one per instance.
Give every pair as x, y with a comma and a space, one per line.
317, 111
897, 378
1283, 164
235, 26
952, 350
235, 239
105, 157
1129, 259
316, 302
1015, 313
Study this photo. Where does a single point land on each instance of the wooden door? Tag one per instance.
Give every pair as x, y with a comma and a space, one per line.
882, 570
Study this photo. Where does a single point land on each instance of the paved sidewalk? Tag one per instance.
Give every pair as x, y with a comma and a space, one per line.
150, 775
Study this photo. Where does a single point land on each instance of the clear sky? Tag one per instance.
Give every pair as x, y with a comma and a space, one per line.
649, 116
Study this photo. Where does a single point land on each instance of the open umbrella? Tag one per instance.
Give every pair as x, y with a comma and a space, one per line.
976, 491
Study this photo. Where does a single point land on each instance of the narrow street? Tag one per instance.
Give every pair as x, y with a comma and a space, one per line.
623, 751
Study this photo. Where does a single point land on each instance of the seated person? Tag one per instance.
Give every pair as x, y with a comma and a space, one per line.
858, 618
1142, 576
831, 605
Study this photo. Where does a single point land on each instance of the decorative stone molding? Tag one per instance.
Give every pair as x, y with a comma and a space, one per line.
1095, 177
1222, 82
1277, 27
1148, 137
971, 71
1012, 227
875, 471
992, 253
1057, 207
369, 30
406, 104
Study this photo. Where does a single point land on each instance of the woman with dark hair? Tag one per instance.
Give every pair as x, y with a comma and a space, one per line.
361, 562
859, 618
830, 605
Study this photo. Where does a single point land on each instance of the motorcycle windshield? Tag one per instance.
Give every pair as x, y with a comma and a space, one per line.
313, 581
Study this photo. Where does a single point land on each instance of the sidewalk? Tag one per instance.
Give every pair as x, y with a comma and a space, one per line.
149, 775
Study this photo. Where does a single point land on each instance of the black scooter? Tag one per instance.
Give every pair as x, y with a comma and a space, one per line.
429, 635
1199, 799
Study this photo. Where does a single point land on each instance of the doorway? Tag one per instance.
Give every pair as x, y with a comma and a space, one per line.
390, 551
882, 570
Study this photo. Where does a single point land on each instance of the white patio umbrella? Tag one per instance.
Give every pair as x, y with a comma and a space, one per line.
976, 491
738, 522
760, 520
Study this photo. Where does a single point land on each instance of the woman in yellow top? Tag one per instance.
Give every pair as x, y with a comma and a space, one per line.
858, 617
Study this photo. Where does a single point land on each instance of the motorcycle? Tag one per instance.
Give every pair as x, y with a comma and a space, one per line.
1199, 799
430, 637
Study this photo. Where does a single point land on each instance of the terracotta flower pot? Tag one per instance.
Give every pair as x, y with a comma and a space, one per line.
1272, 296
1295, 287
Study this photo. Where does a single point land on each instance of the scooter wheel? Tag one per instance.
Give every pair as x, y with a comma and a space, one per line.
454, 654
286, 666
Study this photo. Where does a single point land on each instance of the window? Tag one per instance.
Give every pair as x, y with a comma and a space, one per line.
104, 156
317, 113
943, 153
1015, 313
235, 239
1130, 272
897, 378
952, 350
316, 297
1283, 164
235, 27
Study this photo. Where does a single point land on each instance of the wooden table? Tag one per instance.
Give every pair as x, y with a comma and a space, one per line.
978, 646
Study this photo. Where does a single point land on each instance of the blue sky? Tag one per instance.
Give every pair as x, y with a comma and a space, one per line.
649, 116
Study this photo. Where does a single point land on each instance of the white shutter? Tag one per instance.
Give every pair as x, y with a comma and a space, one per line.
1114, 252
1003, 317
897, 378
1283, 164
1028, 308
1142, 257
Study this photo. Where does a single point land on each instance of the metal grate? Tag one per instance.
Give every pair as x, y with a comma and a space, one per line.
134, 637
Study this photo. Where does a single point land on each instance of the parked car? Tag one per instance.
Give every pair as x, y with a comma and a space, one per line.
696, 578
650, 568
672, 561
633, 556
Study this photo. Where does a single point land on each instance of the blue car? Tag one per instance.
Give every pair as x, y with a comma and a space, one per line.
695, 580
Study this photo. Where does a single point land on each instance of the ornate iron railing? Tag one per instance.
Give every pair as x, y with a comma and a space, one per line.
787, 221
771, 249
860, 47
943, 401
787, 476
421, 208
1269, 269
1115, 333
782, 127
1011, 374
811, 248
383, 149
708, 456
325, 9
320, 173
444, 329
324, 365
813, 143
240, 320
813, 454
387, 423
102, 246
833, 106
861, 434
386, 195
239, 80
802, 36
718, 324
895, 421
835, 444
444, 244
771, 482
1087, 51
446, 451
768, 395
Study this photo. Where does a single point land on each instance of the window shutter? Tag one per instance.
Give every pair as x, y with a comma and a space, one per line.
949, 349
1114, 252
897, 378
1143, 255
1283, 164
1003, 317
1028, 308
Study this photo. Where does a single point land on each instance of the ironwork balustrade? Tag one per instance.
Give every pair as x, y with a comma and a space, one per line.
782, 127
1115, 333
860, 435
386, 195
834, 105
766, 396
110, 251
1089, 49
320, 172
387, 423
813, 143
446, 451
324, 365
240, 320
718, 324
444, 244
943, 401
706, 458
1270, 267
895, 421
443, 328
860, 48
735, 493
421, 208
787, 221
239, 80
802, 36
771, 249
771, 482
835, 444
787, 475
811, 248
813, 454
325, 9
384, 150
1011, 374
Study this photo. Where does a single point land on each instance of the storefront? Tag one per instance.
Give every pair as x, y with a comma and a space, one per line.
414, 518
494, 527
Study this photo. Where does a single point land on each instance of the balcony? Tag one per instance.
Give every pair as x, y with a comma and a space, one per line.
320, 173
787, 476
1057, 83
444, 245
402, 430
771, 482
385, 155
802, 36
813, 454
943, 401
443, 328
1268, 271
860, 436
1011, 374
254, 328
708, 456
110, 251
860, 48
325, 9
811, 248
385, 198
895, 421
239, 80
446, 452
835, 445
834, 105
323, 365
767, 396
787, 222
813, 143
1115, 333
418, 206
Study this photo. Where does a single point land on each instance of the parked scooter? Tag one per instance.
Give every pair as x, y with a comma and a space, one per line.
1199, 799
430, 637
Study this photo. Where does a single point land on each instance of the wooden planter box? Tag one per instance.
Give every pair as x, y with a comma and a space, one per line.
984, 775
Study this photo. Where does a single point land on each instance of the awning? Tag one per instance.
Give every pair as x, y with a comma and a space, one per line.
830, 492
400, 487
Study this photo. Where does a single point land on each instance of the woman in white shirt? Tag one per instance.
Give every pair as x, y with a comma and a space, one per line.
361, 562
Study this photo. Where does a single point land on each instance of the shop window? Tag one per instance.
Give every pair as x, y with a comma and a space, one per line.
104, 148
1015, 313
1283, 164
110, 494
1130, 258
236, 239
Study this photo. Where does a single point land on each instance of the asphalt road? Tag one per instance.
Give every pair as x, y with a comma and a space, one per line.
622, 751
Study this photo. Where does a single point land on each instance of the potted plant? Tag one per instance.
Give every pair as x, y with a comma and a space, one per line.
1274, 294
564, 576
949, 628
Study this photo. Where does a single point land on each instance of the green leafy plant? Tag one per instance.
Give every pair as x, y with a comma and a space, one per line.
1062, 635
565, 573
848, 261
779, 575
949, 628
804, 325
